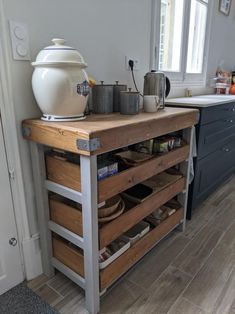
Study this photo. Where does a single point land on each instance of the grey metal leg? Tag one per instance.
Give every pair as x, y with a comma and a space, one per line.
185, 169
90, 231
41, 196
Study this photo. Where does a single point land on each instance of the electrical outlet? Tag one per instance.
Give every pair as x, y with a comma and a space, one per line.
19, 41
136, 63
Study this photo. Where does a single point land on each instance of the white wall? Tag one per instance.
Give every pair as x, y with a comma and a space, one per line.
222, 41
104, 31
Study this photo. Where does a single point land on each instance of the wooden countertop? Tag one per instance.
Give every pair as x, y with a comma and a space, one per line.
101, 133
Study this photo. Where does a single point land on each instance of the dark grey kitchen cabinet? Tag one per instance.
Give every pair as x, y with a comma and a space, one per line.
215, 161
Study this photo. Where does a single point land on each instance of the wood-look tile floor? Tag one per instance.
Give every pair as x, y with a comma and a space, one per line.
187, 273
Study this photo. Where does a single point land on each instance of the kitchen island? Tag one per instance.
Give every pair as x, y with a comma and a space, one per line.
71, 237
215, 133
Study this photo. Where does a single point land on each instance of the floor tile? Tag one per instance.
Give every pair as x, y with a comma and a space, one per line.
209, 283
49, 295
162, 294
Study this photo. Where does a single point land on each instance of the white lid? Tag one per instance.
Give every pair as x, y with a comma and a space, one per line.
59, 53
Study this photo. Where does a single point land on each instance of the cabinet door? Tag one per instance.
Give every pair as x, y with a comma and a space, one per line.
210, 114
211, 171
214, 135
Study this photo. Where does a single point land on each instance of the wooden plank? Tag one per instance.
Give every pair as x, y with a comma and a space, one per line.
206, 287
226, 302
182, 306
67, 255
197, 251
126, 291
121, 137
63, 172
118, 226
65, 215
138, 250
53, 134
162, 294
149, 269
126, 179
113, 131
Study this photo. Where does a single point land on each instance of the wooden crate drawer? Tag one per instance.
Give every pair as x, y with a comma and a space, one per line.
128, 219
68, 174
138, 250
68, 255
63, 172
126, 179
65, 214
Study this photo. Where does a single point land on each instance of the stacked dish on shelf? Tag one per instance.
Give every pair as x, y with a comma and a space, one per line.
112, 208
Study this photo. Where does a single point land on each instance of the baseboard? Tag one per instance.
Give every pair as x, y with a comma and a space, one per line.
32, 257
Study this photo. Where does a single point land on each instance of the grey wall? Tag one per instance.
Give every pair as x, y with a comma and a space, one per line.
104, 31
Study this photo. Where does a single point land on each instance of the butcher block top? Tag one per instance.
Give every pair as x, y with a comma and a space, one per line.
102, 133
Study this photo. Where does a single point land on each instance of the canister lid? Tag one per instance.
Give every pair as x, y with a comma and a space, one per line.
59, 53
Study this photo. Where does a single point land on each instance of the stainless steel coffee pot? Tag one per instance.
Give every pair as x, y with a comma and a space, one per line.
156, 83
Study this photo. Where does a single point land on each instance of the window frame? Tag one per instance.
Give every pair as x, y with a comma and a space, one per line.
181, 77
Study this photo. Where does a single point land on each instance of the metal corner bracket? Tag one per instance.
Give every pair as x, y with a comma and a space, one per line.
88, 145
26, 131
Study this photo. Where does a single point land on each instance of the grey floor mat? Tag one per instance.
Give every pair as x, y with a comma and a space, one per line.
22, 300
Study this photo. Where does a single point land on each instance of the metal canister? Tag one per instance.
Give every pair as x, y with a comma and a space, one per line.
116, 95
102, 98
129, 102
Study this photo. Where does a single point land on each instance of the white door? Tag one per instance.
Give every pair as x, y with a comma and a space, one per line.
11, 271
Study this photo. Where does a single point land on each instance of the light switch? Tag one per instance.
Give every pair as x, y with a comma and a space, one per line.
19, 40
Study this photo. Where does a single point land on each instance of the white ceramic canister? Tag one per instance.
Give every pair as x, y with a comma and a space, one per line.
60, 83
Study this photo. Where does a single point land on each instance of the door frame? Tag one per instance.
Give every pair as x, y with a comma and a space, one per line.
10, 134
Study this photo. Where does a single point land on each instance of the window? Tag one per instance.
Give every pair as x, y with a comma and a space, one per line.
180, 38
171, 24
196, 39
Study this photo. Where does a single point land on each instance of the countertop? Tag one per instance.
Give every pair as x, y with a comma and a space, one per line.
202, 101
102, 133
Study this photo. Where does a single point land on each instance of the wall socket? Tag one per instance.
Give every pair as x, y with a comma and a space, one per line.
19, 41
136, 63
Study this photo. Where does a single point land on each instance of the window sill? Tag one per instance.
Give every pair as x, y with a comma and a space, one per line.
188, 84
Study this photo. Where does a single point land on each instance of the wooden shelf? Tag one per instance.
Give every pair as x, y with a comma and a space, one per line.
68, 174
138, 250
70, 217
73, 258
128, 219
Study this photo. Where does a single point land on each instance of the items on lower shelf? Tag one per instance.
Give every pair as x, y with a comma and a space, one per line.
119, 246
140, 192
108, 254
125, 245
163, 212
137, 232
